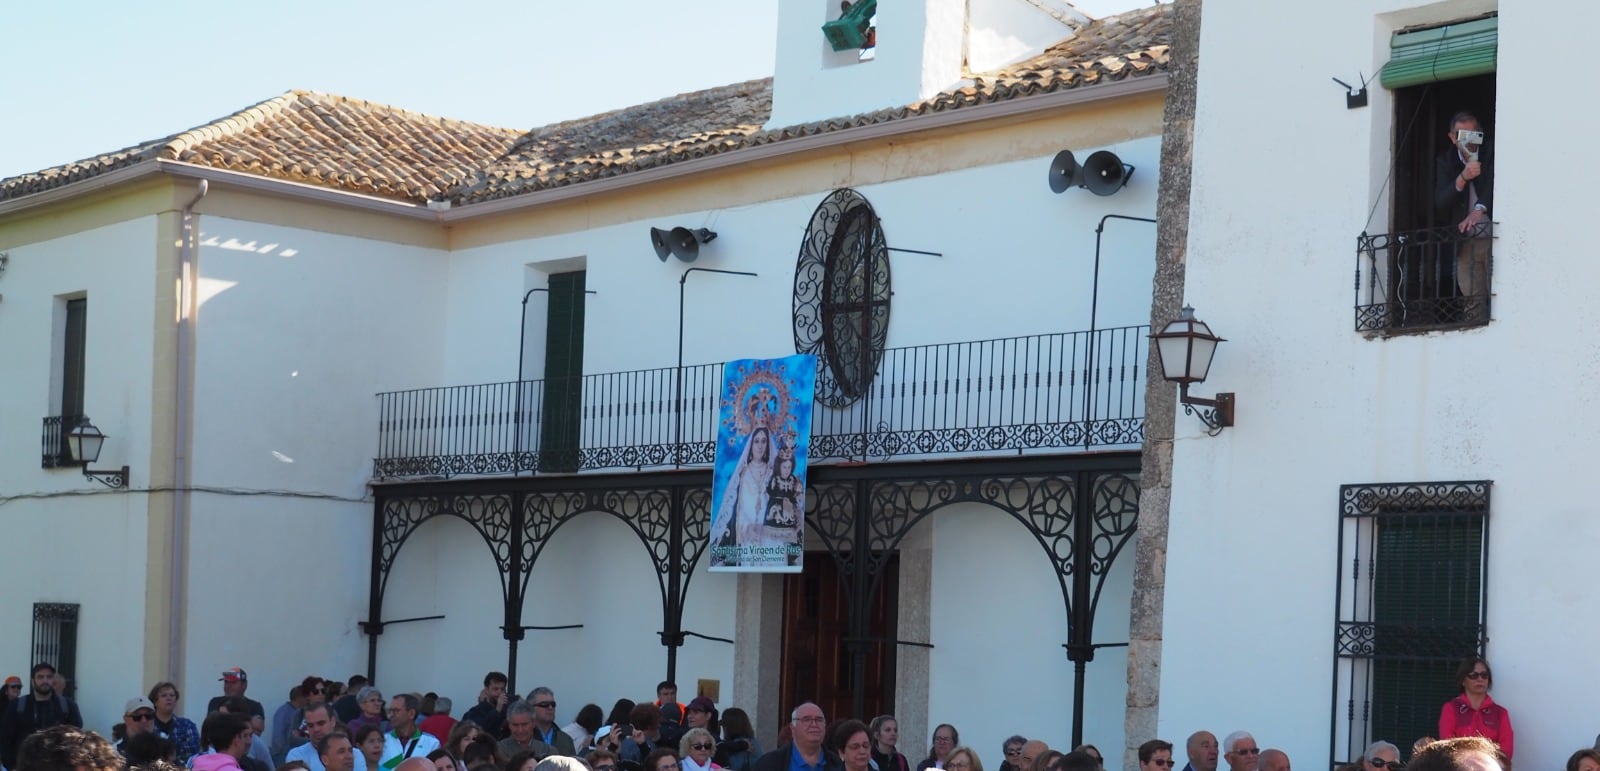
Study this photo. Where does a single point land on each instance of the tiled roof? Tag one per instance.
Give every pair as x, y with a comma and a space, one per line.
314, 138
690, 126
359, 146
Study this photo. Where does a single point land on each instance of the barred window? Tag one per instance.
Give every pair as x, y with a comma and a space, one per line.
1410, 606
55, 639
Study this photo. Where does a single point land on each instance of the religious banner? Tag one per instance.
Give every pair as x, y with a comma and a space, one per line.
758, 486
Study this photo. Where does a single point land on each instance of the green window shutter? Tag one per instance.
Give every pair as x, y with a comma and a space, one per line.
1427, 604
560, 408
1442, 53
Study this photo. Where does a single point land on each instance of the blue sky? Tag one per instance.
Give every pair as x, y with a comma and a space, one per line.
82, 77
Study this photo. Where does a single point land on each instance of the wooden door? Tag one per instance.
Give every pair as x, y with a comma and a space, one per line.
816, 627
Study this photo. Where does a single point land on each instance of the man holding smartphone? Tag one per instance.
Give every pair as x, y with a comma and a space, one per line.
1463, 190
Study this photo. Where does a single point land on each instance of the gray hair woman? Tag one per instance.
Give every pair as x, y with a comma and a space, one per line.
695, 748
372, 704
1381, 756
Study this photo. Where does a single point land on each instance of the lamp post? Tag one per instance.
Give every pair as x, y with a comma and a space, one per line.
1185, 347
522, 347
1094, 310
84, 443
677, 391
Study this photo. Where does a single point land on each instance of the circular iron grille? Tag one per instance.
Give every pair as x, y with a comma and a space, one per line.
841, 296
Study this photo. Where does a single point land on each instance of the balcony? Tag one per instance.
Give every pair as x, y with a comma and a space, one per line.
1071, 391
1423, 280
53, 443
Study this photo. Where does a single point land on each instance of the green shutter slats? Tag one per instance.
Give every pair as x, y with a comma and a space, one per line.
1442, 53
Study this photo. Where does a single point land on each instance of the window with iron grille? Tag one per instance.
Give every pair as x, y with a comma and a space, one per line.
1413, 567
55, 638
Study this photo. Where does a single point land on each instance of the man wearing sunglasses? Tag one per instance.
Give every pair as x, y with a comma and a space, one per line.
1241, 752
138, 717
544, 722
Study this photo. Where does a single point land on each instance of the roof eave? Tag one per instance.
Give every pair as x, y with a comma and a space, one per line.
85, 186
1121, 89
236, 179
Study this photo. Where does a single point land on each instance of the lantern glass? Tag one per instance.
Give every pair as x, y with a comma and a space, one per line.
84, 442
1186, 346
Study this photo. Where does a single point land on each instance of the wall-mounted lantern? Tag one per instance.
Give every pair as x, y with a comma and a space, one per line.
84, 442
1185, 348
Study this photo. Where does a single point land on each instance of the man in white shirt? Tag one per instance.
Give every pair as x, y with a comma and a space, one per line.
319, 724
406, 740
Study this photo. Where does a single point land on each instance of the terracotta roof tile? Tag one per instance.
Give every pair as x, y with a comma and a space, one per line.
315, 138
359, 146
688, 126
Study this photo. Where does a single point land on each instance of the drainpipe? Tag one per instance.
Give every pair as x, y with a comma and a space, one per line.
183, 409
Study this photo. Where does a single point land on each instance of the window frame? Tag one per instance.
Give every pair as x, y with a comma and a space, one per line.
1366, 645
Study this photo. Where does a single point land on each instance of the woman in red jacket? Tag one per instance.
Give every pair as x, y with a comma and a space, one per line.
1473, 713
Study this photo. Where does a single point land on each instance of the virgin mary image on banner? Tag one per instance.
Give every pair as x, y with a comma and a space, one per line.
759, 483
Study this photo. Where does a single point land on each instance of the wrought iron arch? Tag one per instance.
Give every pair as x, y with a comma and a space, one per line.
401, 518
1081, 519
645, 512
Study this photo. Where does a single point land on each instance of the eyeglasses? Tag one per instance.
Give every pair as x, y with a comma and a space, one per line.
1381, 763
545, 704
143, 716
1478, 675
1247, 751
956, 766
698, 746
811, 719
1167, 763
1013, 752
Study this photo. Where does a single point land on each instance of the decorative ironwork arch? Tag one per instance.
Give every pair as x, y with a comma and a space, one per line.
489, 515
1082, 512
1081, 519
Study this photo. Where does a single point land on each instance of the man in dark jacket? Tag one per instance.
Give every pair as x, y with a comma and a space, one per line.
1463, 195
30, 713
490, 711
806, 753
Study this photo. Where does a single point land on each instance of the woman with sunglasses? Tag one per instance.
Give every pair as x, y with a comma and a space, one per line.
696, 747
1155, 755
1473, 713
1380, 756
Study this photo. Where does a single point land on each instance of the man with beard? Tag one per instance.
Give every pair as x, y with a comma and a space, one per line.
33, 712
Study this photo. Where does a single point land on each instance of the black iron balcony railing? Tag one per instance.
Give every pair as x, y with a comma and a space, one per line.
1074, 390
54, 442
1423, 279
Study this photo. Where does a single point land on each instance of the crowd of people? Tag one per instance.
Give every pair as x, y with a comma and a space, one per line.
351, 726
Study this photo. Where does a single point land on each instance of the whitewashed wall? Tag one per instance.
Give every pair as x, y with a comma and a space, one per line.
594, 572
67, 547
1018, 260
296, 332
998, 624
1284, 178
